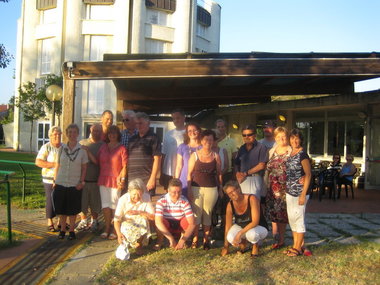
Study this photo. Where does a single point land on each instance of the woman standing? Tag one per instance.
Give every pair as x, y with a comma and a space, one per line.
204, 182
132, 216
46, 159
297, 167
69, 175
191, 143
275, 200
112, 159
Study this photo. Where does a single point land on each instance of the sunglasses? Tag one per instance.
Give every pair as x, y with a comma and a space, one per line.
247, 135
125, 120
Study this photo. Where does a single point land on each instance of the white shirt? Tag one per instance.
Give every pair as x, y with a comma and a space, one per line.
172, 140
124, 205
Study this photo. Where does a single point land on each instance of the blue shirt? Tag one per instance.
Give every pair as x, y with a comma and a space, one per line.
247, 159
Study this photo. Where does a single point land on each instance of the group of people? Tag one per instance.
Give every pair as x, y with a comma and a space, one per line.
267, 180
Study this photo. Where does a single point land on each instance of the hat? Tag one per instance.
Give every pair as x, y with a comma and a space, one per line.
269, 124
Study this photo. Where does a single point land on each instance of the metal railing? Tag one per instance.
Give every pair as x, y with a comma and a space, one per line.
8, 187
24, 177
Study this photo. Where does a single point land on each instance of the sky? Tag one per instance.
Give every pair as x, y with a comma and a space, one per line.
261, 25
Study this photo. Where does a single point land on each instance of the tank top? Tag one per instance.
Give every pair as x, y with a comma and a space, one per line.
204, 174
245, 218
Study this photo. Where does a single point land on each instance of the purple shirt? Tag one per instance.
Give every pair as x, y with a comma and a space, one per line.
185, 151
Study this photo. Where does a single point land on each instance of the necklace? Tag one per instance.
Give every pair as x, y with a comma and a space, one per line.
71, 155
206, 155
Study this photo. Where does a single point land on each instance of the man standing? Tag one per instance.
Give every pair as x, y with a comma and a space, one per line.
268, 139
90, 191
228, 143
172, 140
144, 150
250, 163
174, 217
130, 127
107, 121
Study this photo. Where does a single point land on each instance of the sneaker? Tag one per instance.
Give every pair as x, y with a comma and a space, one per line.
81, 226
94, 226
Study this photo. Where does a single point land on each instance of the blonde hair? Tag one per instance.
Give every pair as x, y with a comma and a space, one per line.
280, 130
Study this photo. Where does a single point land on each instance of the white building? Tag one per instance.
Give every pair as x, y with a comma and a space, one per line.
51, 32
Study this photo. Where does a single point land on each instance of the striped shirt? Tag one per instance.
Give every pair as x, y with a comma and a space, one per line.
125, 137
173, 211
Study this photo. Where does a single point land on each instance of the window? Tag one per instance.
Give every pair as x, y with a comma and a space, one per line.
104, 2
168, 5
96, 88
335, 140
99, 12
157, 17
43, 134
316, 137
201, 30
354, 138
156, 46
158, 130
203, 16
46, 56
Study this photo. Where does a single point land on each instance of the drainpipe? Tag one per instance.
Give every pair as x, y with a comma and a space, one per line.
130, 20
190, 27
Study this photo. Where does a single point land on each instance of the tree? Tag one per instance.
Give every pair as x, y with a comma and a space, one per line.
9, 117
31, 104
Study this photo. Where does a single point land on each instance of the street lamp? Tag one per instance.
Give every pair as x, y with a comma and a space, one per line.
54, 94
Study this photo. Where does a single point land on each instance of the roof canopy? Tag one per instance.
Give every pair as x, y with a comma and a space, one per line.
160, 82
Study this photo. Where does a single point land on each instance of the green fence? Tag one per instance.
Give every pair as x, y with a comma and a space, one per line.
26, 183
5, 181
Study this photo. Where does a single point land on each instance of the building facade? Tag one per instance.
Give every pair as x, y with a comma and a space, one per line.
51, 32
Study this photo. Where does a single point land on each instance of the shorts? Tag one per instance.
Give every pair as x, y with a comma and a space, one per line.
252, 185
204, 201
253, 235
67, 200
91, 198
176, 226
296, 213
109, 197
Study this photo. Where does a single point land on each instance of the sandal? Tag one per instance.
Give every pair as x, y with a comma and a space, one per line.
104, 235
254, 255
293, 252
206, 245
306, 252
112, 236
51, 228
194, 245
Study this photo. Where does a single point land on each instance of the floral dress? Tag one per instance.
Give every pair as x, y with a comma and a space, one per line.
275, 199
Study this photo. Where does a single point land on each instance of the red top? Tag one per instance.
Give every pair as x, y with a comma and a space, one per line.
111, 162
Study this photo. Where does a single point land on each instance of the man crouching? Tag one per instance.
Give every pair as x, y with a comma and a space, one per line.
248, 226
174, 217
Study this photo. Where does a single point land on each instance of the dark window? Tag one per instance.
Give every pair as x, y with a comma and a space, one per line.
316, 137
46, 4
99, 2
354, 138
335, 142
203, 16
168, 5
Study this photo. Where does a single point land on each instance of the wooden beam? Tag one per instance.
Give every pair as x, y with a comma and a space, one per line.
68, 106
166, 68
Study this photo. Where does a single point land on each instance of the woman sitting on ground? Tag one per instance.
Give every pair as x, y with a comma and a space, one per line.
249, 224
132, 216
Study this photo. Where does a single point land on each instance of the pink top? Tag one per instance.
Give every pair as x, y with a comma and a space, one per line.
111, 163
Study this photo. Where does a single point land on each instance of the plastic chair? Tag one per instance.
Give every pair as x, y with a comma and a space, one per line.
347, 183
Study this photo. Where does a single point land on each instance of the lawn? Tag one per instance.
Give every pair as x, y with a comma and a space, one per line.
16, 239
35, 197
331, 264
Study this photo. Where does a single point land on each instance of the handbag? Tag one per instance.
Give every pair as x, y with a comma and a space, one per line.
122, 251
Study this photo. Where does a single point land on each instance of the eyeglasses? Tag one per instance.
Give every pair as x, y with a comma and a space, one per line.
247, 135
125, 120
231, 192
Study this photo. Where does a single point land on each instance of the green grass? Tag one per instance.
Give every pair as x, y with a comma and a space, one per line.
16, 239
35, 197
331, 264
